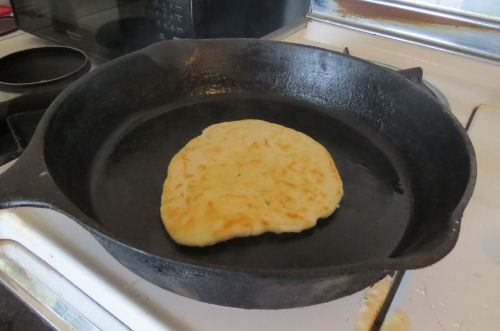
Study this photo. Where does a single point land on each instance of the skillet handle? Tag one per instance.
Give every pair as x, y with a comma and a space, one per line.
28, 183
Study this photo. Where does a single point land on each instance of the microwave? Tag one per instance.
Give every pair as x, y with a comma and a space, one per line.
110, 28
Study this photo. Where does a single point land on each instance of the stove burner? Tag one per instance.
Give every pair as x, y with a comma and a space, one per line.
23, 125
41, 73
18, 120
42, 66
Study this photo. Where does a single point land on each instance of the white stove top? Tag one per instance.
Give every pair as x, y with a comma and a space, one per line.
135, 302
458, 292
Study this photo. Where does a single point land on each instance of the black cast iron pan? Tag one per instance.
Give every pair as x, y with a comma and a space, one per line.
101, 153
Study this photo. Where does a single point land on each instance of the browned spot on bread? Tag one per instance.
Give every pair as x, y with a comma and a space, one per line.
234, 221
254, 145
287, 198
283, 147
289, 184
317, 172
291, 166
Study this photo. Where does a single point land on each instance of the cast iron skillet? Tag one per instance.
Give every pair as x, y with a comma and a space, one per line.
101, 152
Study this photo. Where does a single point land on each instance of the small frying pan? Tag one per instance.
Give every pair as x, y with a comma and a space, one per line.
100, 155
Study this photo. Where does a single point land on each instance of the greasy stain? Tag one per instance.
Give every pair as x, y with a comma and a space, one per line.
370, 10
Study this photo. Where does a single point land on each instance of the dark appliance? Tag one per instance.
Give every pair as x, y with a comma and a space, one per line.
110, 28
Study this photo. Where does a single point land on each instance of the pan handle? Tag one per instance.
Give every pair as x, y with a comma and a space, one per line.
28, 183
